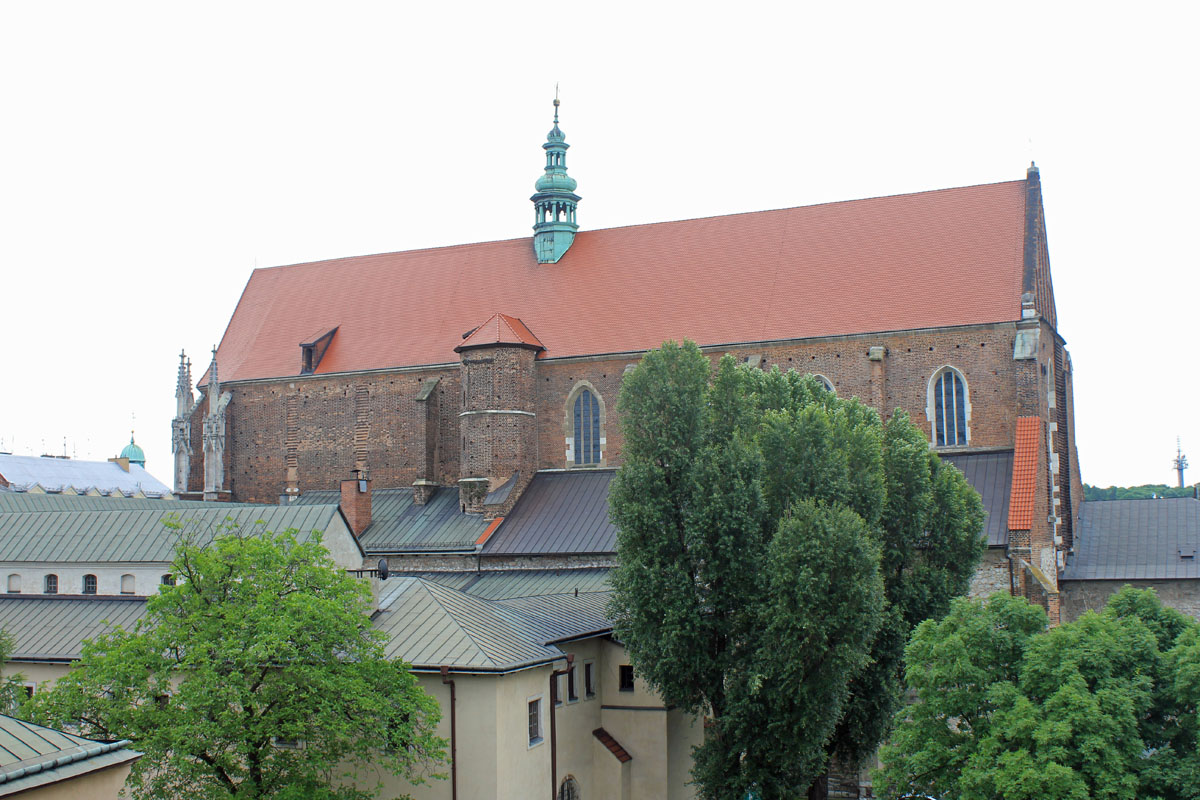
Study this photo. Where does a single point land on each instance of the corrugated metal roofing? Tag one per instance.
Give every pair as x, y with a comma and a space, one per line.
949, 257
1024, 480
991, 475
53, 627
1136, 540
430, 626
34, 755
505, 584
398, 525
559, 513
54, 474
140, 535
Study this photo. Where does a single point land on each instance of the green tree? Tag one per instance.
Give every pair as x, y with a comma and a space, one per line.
258, 675
12, 687
1102, 707
775, 544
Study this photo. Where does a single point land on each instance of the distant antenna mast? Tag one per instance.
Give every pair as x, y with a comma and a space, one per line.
1181, 462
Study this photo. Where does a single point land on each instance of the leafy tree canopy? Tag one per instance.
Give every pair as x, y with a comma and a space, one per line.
1103, 707
776, 545
258, 675
1143, 492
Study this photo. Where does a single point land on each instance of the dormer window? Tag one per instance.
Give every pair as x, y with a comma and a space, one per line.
313, 350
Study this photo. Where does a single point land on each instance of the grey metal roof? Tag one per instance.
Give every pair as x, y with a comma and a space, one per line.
398, 525
991, 475
1136, 540
506, 584
29, 501
55, 474
53, 627
564, 616
559, 513
139, 535
34, 755
430, 626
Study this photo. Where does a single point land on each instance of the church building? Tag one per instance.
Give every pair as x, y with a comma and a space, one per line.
467, 376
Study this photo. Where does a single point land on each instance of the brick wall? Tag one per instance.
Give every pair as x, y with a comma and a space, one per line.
376, 417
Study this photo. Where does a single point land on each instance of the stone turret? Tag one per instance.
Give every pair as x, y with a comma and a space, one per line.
554, 222
181, 425
214, 435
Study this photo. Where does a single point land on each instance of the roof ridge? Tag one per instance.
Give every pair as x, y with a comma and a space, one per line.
585, 232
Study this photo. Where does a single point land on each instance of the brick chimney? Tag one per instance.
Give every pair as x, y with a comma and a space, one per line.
356, 502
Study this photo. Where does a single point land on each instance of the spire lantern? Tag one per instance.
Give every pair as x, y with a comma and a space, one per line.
554, 221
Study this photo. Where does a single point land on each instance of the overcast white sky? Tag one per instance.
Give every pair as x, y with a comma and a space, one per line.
152, 154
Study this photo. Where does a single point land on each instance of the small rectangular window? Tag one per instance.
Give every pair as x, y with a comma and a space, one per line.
556, 692
571, 695
625, 676
589, 680
51, 584
535, 721
89, 584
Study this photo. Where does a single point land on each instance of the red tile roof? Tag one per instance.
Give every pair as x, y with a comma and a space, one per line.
1024, 478
608, 741
500, 329
948, 257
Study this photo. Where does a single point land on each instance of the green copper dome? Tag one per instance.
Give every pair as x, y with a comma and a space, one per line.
134, 453
555, 182
555, 203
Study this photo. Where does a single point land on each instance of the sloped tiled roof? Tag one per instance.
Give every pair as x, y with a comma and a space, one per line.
139, 534
941, 258
1136, 540
399, 525
559, 513
34, 755
430, 626
57, 474
53, 627
991, 475
612, 745
1024, 477
501, 329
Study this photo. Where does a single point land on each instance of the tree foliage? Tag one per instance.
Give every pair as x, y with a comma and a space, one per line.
1146, 491
775, 545
1103, 707
257, 675
12, 686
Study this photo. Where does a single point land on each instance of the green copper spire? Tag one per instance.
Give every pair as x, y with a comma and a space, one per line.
554, 204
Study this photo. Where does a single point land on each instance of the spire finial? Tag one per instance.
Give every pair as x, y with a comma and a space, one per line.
556, 103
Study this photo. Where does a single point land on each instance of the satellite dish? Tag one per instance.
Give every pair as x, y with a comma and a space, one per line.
383, 569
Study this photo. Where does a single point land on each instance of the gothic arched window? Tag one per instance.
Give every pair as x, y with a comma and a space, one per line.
569, 790
950, 407
583, 426
587, 429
